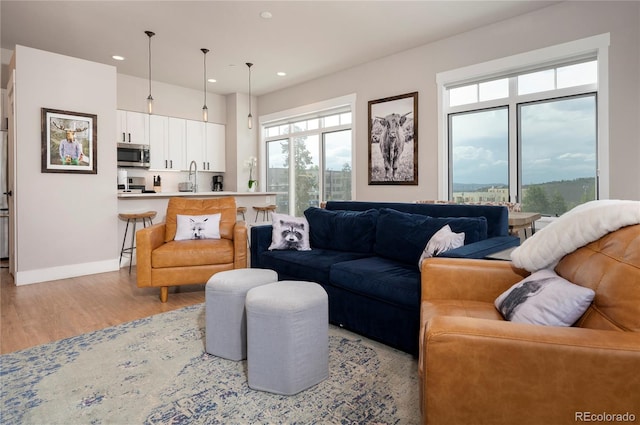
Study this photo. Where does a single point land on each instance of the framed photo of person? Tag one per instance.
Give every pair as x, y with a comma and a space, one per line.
393, 140
69, 142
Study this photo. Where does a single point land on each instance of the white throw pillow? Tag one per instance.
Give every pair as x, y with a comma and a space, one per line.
197, 227
441, 241
289, 233
544, 298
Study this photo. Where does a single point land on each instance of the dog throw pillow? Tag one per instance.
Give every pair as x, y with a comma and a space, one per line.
290, 233
197, 227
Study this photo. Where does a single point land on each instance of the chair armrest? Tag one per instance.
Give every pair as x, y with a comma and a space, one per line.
486, 371
147, 240
240, 245
467, 279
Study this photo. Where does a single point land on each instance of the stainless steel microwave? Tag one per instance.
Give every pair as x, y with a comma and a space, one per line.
132, 155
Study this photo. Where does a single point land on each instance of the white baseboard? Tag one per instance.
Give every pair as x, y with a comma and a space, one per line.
64, 272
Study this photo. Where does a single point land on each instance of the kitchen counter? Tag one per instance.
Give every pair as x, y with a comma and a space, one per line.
191, 194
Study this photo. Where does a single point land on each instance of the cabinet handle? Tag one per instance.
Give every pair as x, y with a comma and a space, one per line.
171, 163
165, 164
129, 137
208, 166
124, 139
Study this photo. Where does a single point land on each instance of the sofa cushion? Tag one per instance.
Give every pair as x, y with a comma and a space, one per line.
306, 265
192, 253
351, 231
402, 236
379, 278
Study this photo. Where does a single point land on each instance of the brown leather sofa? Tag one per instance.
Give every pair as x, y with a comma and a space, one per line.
164, 262
476, 368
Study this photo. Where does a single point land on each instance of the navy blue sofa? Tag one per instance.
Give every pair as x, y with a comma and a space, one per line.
365, 255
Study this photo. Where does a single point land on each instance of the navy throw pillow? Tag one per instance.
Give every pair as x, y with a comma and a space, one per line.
349, 231
403, 236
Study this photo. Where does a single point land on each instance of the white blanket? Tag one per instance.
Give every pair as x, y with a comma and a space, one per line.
576, 228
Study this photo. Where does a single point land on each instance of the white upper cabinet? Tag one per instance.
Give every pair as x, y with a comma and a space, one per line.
167, 147
206, 145
214, 152
133, 127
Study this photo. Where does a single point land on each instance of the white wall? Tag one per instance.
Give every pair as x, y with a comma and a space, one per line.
415, 70
245, 142
65, 223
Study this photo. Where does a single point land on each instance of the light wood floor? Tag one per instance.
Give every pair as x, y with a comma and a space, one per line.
35, 314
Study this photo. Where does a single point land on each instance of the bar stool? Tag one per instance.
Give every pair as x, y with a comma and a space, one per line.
133, 217
241, 210
264, 209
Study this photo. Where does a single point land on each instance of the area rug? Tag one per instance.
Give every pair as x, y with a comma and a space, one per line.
155, 371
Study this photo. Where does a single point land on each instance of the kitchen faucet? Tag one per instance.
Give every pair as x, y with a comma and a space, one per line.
195, 179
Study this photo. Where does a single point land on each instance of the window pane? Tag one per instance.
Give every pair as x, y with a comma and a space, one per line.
284, 129
272, 131
497, 89
337, 166
299, 126
479, 146
558, 144
313, 124
278, 172
306, 157
536, 81
345, 118
578, 74
331, 121
463, 95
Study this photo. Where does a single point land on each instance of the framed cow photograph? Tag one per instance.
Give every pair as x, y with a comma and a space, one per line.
393, 140
69, 142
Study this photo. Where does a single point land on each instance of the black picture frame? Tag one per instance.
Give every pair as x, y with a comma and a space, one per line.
69, 142
388, 116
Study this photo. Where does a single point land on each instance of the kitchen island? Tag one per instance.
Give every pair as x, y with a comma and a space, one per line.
132, 202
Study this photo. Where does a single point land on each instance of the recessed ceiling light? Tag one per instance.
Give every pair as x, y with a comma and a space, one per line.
281, 74
118, 58
266, 15
212, 80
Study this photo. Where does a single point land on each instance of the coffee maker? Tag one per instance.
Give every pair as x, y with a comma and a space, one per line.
216, 184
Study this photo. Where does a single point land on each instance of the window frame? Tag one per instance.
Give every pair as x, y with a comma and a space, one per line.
330, 107
595, 47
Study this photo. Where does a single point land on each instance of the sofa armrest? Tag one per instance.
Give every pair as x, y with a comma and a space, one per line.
260, 242
486, 371
482, 248
147, 240
467, 279
240, 245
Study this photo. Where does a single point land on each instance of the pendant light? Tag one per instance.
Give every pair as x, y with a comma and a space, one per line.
205, 110
150, 98
249, 117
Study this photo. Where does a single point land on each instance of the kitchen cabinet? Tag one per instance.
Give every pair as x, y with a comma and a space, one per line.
133, 127
214, 148
206, 145
167, 143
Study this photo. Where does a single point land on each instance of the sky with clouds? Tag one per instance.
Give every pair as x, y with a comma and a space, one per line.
558, 142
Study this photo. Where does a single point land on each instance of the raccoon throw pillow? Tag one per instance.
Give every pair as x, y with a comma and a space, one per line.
289, 233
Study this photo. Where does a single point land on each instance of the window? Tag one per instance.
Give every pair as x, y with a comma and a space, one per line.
309, 159
535, 134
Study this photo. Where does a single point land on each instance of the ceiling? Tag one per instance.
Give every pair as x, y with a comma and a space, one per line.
305, 39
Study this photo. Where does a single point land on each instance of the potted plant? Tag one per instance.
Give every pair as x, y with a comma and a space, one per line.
251, 163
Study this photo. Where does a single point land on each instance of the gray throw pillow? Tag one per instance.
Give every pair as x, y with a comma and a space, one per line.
290, 233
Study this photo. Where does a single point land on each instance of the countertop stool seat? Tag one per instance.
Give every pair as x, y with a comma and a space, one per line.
287, 336
144, 216
264, 209
225, 317
241, 211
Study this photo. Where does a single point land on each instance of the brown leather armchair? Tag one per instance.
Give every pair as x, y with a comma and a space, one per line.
476, 368
164, 262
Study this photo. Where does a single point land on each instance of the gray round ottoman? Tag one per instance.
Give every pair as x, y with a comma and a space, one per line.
226, 321
287, 336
